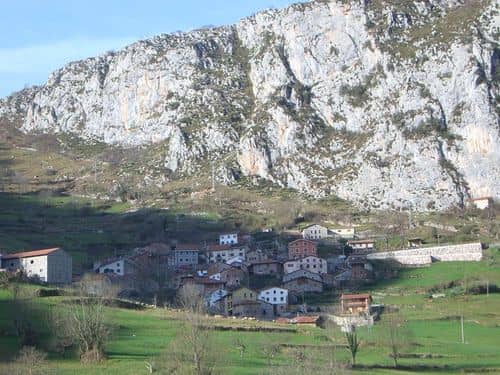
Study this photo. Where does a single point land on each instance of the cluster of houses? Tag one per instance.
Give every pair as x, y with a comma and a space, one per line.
239, 276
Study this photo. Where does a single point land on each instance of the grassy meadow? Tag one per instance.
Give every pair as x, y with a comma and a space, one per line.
140, 336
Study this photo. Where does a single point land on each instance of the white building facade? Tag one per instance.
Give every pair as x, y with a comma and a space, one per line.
224, 253
310, 263
315, 232
274, 296
52, 266
228, 239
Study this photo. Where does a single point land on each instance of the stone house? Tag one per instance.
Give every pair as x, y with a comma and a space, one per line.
186, 255
303, 281
244, 294
246, 308
355, 304
52, 266
302, 248
245, 303
278, 297
202, 285
256, 256
309, 263
266, 267
233, 277
361, 269
315, 232
222, 253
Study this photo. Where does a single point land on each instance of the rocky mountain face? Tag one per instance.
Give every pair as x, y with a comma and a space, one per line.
385, 104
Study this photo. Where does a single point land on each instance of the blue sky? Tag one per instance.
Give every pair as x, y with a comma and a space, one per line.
39, 36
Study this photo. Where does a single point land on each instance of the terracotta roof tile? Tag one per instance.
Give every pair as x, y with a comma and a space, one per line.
29, 254
355, 296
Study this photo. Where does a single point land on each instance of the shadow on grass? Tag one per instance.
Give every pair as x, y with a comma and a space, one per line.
91, 230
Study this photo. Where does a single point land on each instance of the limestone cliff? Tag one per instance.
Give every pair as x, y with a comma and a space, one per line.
383, 103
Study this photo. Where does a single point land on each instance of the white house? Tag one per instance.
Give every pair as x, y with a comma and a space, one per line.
347, 233
53, 266
118, 266
228, 239
274, 295
310, 263
481, 203
315, 232
224, 253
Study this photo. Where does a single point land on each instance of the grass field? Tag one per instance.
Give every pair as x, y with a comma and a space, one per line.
139, 336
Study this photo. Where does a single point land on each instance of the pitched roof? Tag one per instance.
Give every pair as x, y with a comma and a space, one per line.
267, 261
314, 225
480, 199
360, 241
29, 254
217, 247
300, 274
302, 240
187, 246
355, 296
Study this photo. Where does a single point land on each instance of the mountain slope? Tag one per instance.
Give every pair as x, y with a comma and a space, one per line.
386, 104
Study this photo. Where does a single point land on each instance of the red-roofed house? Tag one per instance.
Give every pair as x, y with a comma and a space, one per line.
53, 266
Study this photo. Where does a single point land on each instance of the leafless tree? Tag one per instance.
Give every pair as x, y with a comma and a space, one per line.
30, 362
84, 324
240, 346
270, 350
192, 351
395, 335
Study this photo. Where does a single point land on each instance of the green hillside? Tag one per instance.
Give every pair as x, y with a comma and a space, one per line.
435, 341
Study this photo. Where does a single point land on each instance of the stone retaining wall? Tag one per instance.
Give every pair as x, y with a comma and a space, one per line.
426, 255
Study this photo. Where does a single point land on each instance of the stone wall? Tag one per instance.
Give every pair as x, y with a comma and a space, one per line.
425, 256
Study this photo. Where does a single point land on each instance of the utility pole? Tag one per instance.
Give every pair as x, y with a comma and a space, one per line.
213, 177
462, 328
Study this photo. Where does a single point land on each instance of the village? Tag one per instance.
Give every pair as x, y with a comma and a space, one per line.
249, 276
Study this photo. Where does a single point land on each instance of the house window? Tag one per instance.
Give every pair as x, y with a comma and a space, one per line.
274, 299
282, 299
32, 261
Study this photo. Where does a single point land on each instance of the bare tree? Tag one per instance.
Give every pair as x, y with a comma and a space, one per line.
240, 346
192, 352
30, 362
84, 324
270, 351
395, 335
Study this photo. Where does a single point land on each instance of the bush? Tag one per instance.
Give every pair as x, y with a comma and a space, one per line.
49, 293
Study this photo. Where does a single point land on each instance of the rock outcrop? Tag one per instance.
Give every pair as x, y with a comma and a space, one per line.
383, 105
